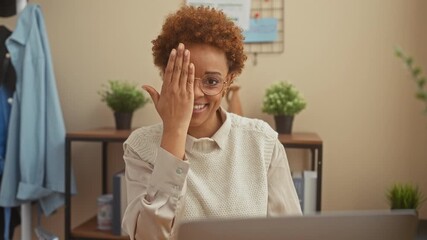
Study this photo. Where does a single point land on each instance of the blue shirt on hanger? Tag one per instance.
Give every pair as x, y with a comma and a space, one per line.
35, 153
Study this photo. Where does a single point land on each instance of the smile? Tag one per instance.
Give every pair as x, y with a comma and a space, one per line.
199, 107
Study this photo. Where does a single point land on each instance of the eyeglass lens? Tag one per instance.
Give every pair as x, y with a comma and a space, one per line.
211, 84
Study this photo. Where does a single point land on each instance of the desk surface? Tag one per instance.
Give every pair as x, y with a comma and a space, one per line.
300, 138
110, 133
105, 133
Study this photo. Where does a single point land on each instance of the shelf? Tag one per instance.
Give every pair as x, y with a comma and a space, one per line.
300, 138
314, 143
89, 229
106, 134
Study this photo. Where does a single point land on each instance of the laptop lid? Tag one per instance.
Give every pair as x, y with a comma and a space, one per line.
355, 225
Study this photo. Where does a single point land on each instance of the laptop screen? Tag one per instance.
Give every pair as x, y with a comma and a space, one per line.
354, 225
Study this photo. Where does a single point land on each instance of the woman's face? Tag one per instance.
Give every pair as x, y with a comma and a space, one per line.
211, 66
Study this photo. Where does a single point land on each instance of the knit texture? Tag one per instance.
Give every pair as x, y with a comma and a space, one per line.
227, 179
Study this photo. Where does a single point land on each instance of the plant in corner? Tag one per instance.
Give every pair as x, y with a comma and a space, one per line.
123, 98
404, 196
416, 73
283, 101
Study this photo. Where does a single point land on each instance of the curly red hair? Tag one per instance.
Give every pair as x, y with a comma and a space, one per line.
204, 25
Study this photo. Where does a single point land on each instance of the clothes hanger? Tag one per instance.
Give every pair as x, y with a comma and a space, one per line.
20, 5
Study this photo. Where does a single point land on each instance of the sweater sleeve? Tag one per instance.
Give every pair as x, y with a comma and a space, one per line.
154, 193
282, 196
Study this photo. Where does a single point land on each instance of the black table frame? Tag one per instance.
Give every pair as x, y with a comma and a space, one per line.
68, 141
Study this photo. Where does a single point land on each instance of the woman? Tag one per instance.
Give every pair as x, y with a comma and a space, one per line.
201, 162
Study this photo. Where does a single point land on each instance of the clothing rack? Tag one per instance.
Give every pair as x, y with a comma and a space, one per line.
26, 207
48, 189
26, 221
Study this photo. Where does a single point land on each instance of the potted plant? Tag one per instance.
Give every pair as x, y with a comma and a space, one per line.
404, 196
123, 98
283, 101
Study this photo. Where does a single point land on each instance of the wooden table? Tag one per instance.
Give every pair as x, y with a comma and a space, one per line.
88, 230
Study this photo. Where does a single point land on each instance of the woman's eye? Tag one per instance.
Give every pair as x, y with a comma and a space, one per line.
211, 81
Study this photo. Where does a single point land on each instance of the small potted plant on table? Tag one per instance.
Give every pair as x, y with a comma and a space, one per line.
123, 98
404, 196
283, 101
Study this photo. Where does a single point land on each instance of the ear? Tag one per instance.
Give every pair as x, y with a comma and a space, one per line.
230, 79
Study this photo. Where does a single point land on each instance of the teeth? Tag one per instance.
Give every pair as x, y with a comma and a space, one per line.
198, 107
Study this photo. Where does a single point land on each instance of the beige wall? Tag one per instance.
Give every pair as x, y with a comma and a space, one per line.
339, 53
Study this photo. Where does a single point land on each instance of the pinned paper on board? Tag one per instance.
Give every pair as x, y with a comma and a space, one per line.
262, 22
261, 30
238, 10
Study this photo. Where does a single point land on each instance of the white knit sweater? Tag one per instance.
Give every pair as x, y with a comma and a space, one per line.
230, 181
242, 171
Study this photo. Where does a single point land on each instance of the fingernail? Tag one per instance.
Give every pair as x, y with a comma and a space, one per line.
186, 52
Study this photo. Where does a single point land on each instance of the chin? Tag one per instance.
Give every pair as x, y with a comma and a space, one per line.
200, 119
197, 122
204, 118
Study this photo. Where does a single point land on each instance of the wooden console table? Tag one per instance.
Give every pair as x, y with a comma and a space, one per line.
314, 143
88, 229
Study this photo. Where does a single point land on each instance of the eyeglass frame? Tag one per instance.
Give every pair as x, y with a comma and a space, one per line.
225, 82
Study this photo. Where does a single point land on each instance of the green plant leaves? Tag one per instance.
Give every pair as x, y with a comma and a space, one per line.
283, 99
416, 73
122, 96
404, 196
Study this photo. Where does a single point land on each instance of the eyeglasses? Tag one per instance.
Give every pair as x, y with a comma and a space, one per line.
211, 84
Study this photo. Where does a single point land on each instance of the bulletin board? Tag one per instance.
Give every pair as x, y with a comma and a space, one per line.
262, 22
268, 9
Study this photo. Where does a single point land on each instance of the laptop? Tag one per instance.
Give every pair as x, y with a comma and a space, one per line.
354, 225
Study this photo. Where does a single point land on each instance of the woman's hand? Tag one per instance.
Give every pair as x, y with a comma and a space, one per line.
176, 99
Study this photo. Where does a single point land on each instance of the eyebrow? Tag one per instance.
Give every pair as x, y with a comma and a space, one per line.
208, 72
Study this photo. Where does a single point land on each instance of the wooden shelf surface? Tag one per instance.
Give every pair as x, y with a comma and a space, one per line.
89, 229
105, 133
300, 138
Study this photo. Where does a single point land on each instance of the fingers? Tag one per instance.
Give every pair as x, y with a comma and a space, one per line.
176, 75
167, 78
190, 79
183, 81
153, 94
178, 66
